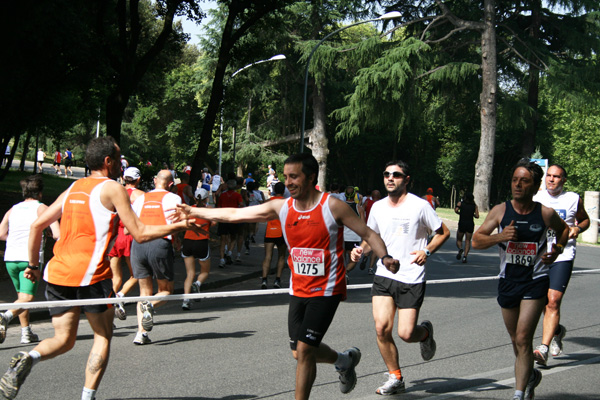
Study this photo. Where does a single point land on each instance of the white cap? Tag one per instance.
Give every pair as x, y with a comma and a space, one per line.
201, 193
132, 172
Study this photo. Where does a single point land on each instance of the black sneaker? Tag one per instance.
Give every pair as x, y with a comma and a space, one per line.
363, 264
263, 285
460, 251
19, 368
534, 380
277, 283
348, 376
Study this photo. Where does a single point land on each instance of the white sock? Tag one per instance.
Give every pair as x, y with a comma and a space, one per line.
35, 357
199, 284
343, 361
8, 316
25, 330
120, 294
519, 393
88, 394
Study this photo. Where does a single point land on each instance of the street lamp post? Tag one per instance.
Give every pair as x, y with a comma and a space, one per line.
274, 58
390, 15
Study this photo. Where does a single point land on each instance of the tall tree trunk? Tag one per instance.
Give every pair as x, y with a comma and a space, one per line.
487, 144
318, 136
115, 109
26, 151
10, 157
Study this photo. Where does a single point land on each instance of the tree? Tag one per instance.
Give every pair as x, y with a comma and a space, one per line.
131, 44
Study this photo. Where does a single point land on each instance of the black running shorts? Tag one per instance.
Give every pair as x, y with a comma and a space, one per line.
198, 249
511, 293
100, 290
405, 295
310, 317
560, 275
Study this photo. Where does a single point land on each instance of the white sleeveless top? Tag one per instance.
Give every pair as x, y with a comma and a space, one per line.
21, 217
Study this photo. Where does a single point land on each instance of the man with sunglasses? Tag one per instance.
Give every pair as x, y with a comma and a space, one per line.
311, 223
404, 222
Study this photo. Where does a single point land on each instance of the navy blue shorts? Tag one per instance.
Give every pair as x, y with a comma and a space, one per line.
560, 275
310, 317
511, 293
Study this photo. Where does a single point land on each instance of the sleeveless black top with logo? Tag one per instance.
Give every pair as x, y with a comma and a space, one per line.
520, 260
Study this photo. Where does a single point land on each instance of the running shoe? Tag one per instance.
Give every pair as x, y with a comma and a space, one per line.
556, 345
29, 337
540, 354
348, 376
18, 369
247, 252
120, 311
517, 397
277, 283
464, 260
196, 287
186, 305
391, 386
141, 339
371, 271
460, 251
228, 259
238, 260
363, 264
147, 315
3, 327
222, 263
252, 239
534, 381
263, 284
428, 346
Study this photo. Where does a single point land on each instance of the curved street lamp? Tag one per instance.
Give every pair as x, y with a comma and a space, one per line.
389, 15
274, 58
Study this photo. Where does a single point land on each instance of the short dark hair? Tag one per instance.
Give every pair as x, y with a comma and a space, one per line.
403, 166
534, 169
98, 150
250, 186
279, 188
564, 171
184, 177
32, 186
310, 165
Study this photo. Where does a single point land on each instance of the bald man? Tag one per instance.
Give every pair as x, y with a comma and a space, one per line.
154, 258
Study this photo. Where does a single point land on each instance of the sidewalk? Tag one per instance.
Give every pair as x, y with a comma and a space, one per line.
250, 269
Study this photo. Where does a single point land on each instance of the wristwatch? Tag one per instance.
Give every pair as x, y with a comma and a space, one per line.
427, 252
33, 267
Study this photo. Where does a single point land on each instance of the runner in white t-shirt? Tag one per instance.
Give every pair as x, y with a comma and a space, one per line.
404, 222
569, 206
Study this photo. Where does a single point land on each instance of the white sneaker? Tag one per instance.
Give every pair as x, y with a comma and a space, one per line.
556, 346
141, 339
29, 337
120, 311
186, 305
147, 315
196, 287
540, 354
391, 386
3, 327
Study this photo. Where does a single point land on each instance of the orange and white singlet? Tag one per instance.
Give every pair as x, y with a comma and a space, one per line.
151, 206
191, 235
316, 245
87, 230
274, 226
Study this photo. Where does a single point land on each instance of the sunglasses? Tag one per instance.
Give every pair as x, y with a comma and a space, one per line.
395, 174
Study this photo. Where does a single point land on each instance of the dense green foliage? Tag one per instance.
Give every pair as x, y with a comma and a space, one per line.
410, 92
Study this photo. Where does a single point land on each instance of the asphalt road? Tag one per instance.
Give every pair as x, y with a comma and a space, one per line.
236, 348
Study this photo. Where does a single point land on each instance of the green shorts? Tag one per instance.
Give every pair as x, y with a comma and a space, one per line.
23, 285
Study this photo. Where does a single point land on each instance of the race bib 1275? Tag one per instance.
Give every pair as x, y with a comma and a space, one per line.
309, 262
